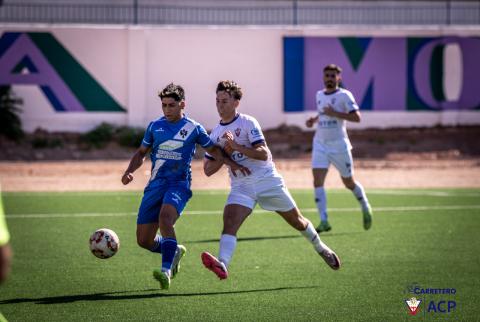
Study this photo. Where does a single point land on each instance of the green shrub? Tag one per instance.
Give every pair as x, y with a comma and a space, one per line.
45, 142
10, 123
99, 136
129, 136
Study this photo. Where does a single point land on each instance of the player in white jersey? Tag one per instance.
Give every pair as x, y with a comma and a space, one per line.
335, 107
242, 139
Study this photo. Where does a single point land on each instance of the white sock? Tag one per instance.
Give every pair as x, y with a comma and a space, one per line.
169, 272
228, 243
359, 193
313, 238
321, 201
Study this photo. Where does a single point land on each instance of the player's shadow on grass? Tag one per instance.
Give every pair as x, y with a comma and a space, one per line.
242, 239
109, 296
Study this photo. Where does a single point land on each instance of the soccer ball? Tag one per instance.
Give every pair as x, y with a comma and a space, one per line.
104, 243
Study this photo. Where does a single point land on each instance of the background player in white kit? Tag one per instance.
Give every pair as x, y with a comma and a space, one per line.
335, 106
241, 137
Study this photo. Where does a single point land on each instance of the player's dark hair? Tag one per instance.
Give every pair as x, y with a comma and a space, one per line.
232, 88
332, 67
174, 91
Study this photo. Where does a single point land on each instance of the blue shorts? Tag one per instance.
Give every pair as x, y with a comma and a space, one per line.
176, 195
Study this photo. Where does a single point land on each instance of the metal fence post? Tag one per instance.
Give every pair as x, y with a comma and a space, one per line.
449, 8
135, 12
295, 12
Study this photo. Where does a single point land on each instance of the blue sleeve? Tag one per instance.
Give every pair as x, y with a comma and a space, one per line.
203, 139
148, 136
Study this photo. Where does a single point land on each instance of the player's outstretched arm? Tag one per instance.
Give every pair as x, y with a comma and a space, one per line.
353, 116
135, 162
212, 166
312, 120
258, 152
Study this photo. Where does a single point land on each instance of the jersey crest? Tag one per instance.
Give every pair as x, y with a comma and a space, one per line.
185, 132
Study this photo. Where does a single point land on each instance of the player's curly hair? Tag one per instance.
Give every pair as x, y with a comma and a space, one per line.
174, 91
232, 88
333, 67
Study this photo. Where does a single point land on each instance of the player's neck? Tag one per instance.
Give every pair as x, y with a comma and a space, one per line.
175, 119
330, 90
229, 118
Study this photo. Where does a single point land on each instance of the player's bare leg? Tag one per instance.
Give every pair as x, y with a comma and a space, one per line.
302, 224
5, 262
233, 217
167, 218
359, 193
146, 234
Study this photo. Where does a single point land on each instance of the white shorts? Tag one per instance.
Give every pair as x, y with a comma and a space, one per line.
270, 194
343, 161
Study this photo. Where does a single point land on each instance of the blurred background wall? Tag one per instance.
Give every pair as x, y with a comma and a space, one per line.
77, 64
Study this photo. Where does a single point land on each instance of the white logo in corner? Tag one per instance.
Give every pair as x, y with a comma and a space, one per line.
413, 304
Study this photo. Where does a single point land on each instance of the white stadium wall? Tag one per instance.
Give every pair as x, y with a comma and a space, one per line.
71, 78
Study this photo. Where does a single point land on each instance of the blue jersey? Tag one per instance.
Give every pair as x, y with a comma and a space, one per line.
172, 148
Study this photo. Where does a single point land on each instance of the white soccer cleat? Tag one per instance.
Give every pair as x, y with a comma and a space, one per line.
181, 250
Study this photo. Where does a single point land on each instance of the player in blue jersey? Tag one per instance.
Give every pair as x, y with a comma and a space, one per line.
171, 141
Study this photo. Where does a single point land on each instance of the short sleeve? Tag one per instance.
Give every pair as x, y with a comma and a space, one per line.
148, 136
350, 103
203, 139
255, 134
213, 138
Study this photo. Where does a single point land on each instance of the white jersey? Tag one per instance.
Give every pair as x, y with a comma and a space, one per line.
246, 132
331, 131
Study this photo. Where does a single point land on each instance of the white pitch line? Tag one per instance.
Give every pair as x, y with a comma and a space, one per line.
219, 212
419, 193
74, 215
197, 193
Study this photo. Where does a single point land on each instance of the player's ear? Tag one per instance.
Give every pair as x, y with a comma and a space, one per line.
236, 103
182, 104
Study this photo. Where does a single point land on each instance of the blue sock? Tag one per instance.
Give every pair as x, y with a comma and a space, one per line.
169, 247
157, 246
